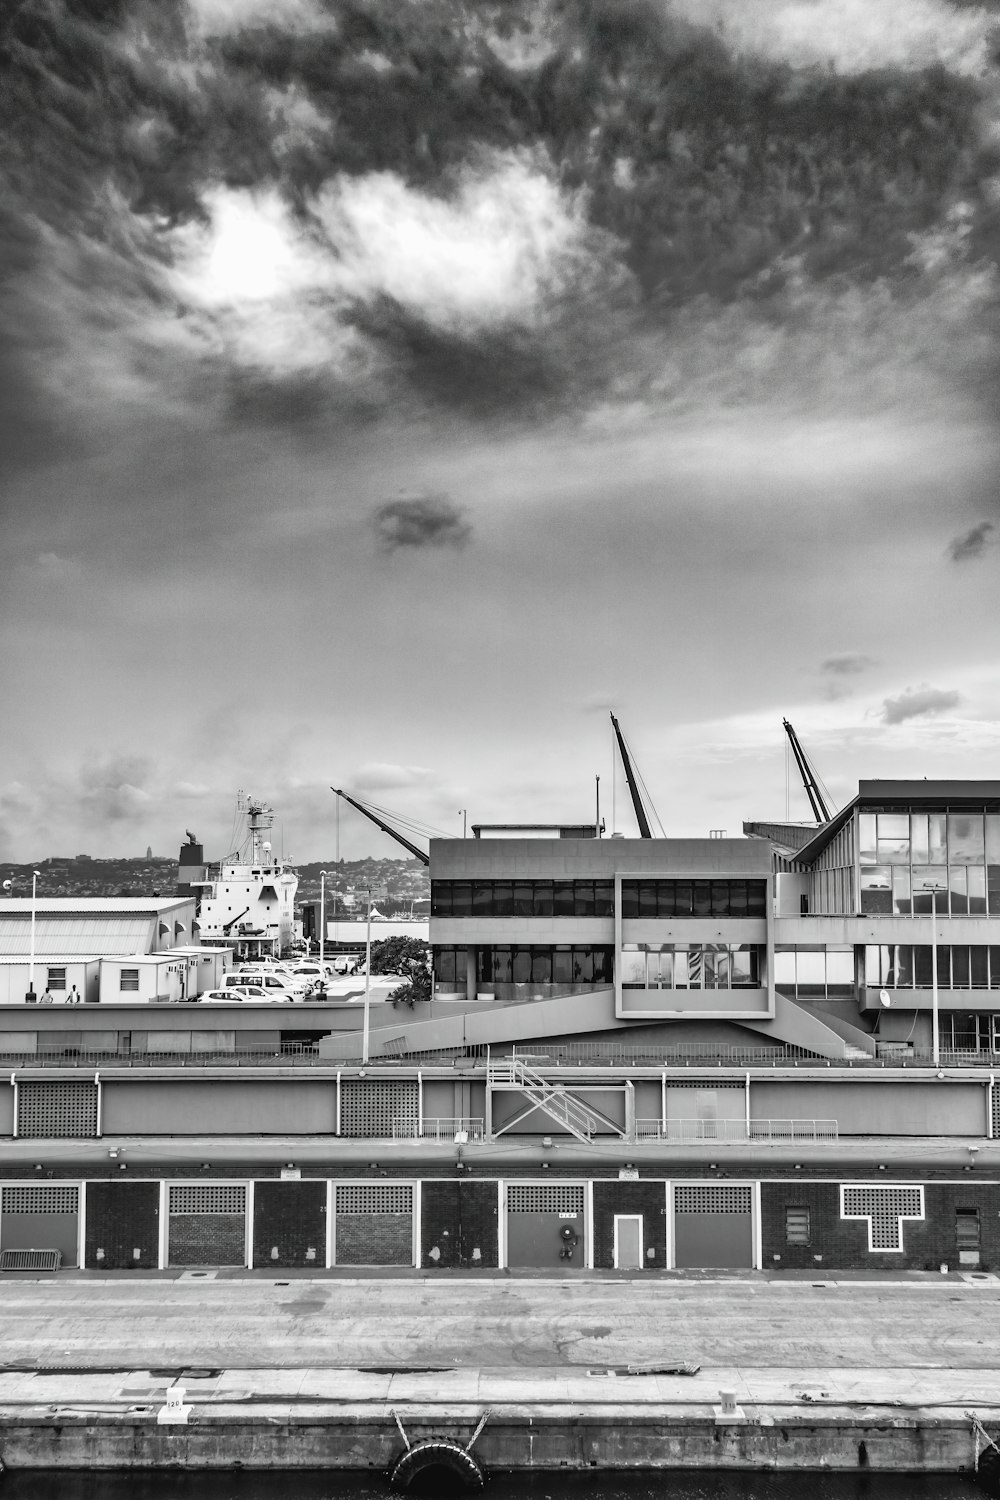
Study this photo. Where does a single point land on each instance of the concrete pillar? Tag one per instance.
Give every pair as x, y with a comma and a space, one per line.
471, 985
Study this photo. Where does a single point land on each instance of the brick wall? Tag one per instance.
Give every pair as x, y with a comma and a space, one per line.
289, 1218
646, 1198
122, 1217
374, 1240
837, 1243
459, 1219
207, 1240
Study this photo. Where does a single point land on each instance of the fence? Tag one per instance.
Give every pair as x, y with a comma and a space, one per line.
441, 1128
712, 1132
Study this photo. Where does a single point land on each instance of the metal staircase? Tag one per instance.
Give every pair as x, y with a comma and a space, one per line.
552, 1098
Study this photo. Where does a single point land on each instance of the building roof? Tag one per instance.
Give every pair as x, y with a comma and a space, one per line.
76, 934
154, 905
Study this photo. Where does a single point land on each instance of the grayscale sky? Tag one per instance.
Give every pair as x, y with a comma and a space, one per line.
391, 387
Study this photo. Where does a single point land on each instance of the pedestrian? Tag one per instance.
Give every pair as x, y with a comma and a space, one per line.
47, 998
74, 996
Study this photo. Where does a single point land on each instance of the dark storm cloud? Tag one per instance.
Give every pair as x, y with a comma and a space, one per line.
918, 703
424, 521
971, 544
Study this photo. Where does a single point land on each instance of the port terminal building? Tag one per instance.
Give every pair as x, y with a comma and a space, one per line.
774, 1051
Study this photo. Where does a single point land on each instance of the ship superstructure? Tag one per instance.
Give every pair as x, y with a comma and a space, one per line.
250, 901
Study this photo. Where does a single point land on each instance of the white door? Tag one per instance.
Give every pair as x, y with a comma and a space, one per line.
628, 1242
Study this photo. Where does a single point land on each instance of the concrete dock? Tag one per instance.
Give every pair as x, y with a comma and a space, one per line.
309, 1370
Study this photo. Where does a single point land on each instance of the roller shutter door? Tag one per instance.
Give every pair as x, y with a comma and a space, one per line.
713, 1225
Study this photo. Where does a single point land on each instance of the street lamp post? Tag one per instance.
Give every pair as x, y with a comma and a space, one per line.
30, 997
368, 980
322, 916
933, 890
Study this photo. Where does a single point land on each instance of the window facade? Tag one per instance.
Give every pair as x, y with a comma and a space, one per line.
690, 966
558, 967
522, 898
815, 972
970, 1031
694, 898
907, 966
904, 853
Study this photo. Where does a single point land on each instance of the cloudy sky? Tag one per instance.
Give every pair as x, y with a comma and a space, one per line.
391, 387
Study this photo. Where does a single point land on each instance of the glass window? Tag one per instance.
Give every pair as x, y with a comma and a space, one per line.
652, 968
964, 1031
738, 905
562, 966
866, 837
960, 968
756, 898
966, 844
633, 967
918, 839
666, 968
876, 965
745, 965
901, 890
696, 966
484, 966
563, 899
894, 851
876, 890
604, 968
503, 971
944, 966
702, 898
993, 838
979, 975
522, 899
482, 898
583, 898
583, 965
708, 972
630, 898
925, 879
541, 966
840, 971
893, 826
683, 897
995, 968
959, 885
976, 876
680, 968
440, 898
922, 965
723, 966
647, 898
541, 898
503, 898
937, 841
666, 898
810, 966
444, 965
604, 898
461, 898
57, 979
784, 968
521, 965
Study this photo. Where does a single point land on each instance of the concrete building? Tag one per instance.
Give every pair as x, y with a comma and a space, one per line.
778, 1050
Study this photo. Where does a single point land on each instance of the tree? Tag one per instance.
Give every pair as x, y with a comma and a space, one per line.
409, 957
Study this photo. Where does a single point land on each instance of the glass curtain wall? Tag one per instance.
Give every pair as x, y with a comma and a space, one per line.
690, 966
904, 853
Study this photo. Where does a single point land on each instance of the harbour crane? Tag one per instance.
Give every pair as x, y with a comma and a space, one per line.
633, 778
393, 833
819, 798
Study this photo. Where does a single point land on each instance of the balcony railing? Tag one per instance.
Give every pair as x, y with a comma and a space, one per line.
460, 1128
759, 1132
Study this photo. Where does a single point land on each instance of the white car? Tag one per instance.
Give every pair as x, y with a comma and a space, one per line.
269, 980
245, 994
312, 971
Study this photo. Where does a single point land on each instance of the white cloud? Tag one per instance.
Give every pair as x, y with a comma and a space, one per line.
382, 776
278, 291
852, 35
219, 17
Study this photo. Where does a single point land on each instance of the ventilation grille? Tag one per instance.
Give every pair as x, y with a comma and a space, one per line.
714, 1199
375, 1198
885, 1208
378, 1107
40, 1200
544, 1198
57, 1109
208, 1198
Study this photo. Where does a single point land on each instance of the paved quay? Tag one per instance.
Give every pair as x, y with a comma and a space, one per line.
314, 1370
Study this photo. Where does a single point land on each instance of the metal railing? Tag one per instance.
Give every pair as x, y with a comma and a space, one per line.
611, 1053
715, 1132
553, 1099
458, 1128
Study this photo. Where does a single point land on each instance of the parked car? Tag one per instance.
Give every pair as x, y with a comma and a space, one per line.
269, 980
245, 994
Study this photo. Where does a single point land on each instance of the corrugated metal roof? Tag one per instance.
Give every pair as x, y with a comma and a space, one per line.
123, 905
84, 935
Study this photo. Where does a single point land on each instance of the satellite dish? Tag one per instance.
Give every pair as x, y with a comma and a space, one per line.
884, 997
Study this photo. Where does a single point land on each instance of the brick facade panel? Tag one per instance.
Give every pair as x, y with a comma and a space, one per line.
842, 1244
374, 1240
122, 1217
646, 1198
459, 1219
207, 1240
289, 1224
